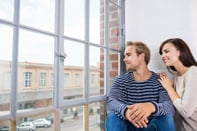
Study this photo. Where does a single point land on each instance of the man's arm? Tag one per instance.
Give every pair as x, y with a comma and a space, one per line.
164, 105
115, 100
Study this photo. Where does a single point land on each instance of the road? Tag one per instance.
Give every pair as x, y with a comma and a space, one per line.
72, 124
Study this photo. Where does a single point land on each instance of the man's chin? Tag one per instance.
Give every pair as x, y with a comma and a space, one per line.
130, 70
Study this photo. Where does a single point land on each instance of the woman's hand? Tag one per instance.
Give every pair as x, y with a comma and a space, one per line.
166, 82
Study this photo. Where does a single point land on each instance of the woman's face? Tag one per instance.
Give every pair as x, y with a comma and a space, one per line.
170, 54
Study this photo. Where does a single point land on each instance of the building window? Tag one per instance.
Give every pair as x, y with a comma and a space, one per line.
52, 80
66, 80
92, 80
7, 80
27, 79
77, 80
43, 79
28, 105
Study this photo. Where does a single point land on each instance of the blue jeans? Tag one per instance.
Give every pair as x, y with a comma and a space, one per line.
162, 123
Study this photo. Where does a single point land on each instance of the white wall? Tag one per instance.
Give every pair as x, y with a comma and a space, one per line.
153, 21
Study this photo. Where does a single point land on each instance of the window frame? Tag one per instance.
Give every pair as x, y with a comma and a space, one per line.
59, 103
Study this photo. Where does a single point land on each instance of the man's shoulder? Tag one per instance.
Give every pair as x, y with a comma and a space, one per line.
124, 76
154, 75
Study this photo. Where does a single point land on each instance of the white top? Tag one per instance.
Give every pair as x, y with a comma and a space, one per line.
186, 87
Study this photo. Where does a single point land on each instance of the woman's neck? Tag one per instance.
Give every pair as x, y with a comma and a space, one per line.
181, 69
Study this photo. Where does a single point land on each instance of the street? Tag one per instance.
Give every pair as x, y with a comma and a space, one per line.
76, 124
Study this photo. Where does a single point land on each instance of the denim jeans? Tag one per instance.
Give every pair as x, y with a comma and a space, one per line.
161, 123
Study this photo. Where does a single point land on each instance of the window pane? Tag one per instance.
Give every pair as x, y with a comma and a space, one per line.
96, 18
38, 13
97, 116
5, 68
74, 66
7, 9
74, 15
36, 57
96, 73
73, 119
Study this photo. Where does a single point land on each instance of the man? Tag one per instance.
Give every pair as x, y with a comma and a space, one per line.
137, 101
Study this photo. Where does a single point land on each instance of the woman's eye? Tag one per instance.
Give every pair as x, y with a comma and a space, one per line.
166, 51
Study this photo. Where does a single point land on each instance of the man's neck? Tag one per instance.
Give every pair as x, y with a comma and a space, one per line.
141, 75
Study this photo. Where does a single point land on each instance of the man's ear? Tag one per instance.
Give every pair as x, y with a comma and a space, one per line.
142, 55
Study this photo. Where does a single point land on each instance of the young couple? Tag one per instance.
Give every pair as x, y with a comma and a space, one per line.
142, 100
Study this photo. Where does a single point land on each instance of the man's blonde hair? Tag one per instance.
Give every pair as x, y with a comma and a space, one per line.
141, 48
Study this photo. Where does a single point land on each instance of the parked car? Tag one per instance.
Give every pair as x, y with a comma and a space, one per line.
26, 126
5, 128
51, 118
42, 123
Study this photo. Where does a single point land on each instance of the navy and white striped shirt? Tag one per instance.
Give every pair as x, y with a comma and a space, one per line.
126, 91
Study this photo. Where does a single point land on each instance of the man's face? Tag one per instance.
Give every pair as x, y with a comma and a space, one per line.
131, 59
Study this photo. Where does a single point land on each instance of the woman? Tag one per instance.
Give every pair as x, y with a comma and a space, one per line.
178, 58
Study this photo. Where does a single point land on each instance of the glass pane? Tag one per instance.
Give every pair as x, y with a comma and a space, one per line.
5, 68
73, 120
97, 116
96, 73
38, 13
96, 18
114, 30
7, 9
36, 58
74, 15
74, 70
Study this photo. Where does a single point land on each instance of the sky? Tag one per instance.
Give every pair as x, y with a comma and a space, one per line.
40, 14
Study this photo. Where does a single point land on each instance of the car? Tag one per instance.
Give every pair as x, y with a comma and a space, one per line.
51, 118
26, 126
5, 128
42, 122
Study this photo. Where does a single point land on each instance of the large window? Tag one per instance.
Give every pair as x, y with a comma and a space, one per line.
57, 61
